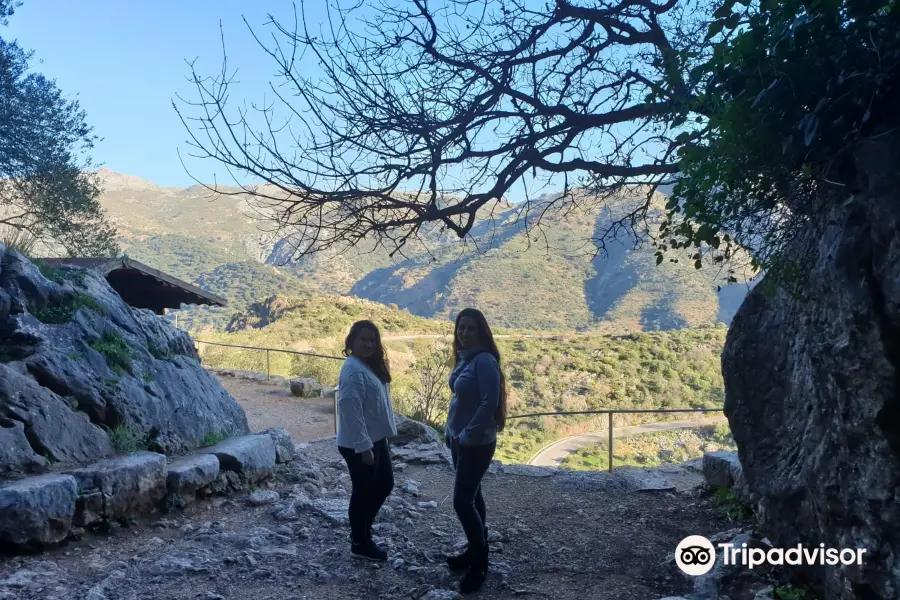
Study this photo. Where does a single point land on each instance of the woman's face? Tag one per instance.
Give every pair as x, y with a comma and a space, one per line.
467, 333
364, 345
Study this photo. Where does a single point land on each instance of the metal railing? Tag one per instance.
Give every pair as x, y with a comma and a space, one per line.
608, 412
267, 351
610, 426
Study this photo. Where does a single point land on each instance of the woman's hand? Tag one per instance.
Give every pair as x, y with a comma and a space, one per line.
368, 458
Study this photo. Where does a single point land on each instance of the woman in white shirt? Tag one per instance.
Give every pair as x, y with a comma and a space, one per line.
365, 421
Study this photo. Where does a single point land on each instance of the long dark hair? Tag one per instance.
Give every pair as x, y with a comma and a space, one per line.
378, 362
487, 341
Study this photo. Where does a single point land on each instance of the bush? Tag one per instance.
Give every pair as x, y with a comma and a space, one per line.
124, 439
56, 314
114, 348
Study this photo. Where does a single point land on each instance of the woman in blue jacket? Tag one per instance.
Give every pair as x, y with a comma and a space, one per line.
477, 412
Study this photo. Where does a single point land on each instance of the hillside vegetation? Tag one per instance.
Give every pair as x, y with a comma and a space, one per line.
521, 276
676, 369
653, 449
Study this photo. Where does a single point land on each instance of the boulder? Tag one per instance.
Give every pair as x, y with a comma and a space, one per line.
78, 359
812, 387
58, 431
187, 475
305, 387
434, 453
16, 454
723, 470
414, 432
129, 485
37, 509
263, 497
253, 457
284, 445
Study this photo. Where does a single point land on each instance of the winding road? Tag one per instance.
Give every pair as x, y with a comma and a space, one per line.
553, 454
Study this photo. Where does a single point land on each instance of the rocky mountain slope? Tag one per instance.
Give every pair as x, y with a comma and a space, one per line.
80, 369
530, 278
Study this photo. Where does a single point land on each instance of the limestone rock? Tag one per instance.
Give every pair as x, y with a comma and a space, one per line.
413, 432
812, 380
721, 469
442, 595
434, 453
57, 431
130, 484
187, 475
305, 387
68, 373
529, 471
89, 509
251, 456
263, 497
37, 509
284, 445
16, 454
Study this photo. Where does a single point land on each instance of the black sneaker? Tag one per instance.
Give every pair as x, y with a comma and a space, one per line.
368, 551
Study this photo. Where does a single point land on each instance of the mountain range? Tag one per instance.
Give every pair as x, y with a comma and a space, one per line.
546, 278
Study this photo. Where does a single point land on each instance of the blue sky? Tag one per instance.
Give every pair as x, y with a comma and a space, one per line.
125, 61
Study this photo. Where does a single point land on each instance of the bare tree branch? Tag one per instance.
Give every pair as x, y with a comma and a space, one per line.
425, 113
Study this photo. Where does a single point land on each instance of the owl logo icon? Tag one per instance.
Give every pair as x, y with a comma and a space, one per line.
695, 555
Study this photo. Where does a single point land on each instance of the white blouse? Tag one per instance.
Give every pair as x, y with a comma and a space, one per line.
365, 414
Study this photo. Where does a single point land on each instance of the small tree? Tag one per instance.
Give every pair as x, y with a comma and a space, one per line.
47, 186
428, 398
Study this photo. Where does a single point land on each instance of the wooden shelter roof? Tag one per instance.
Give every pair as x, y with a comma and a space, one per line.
143, 286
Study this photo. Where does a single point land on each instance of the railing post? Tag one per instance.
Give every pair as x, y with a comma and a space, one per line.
267, 365
610, 442
335, 409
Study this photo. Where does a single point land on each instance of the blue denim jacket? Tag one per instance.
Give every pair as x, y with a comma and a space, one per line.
475, 383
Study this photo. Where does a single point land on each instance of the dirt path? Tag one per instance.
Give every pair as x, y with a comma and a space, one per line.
554, 454
272, 405
567, 537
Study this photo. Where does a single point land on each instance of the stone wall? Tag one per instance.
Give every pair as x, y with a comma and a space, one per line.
46, 509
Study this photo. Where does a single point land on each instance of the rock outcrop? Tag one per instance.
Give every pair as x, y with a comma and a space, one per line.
812, 384
77, 362
416, 442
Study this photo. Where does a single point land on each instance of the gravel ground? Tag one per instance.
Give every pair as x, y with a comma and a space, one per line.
271, 405
566, 537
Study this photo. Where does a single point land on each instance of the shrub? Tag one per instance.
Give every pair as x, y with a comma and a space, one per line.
124, 439
63, 312
114, 348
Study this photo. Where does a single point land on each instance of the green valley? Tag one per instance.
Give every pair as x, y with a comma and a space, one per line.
520, 275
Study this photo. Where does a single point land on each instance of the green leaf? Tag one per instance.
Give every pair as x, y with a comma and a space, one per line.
715, 29
724, 10
659, 258
697, 264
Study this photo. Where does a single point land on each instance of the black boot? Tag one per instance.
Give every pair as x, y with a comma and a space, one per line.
477, 573
463, 561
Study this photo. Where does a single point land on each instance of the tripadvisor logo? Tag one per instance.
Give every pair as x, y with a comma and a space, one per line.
695, 555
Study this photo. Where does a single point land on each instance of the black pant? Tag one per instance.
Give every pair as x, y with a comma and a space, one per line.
372, 484
471, 463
